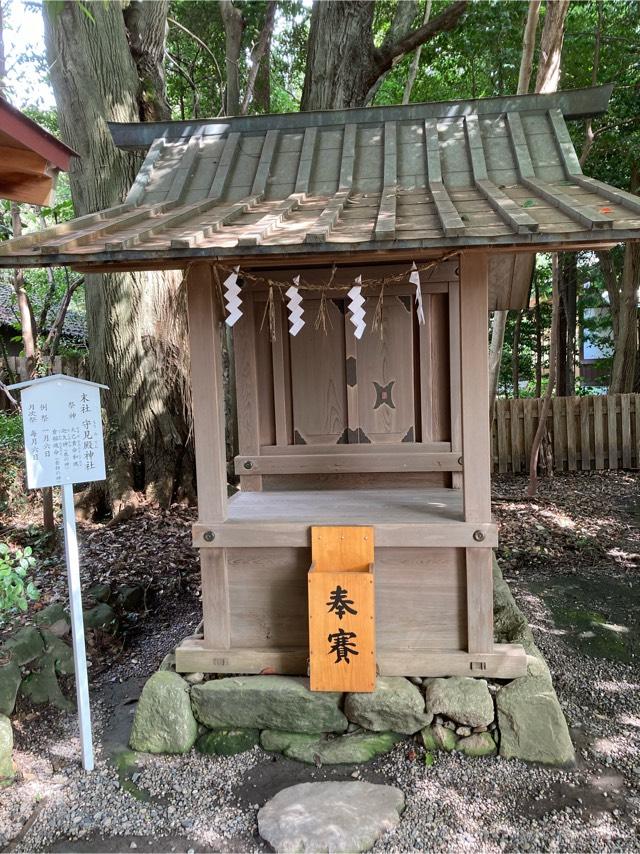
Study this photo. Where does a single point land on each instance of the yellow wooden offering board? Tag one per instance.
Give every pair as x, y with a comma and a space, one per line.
341, 609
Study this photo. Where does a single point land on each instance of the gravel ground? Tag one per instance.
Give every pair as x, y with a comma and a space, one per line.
195, 803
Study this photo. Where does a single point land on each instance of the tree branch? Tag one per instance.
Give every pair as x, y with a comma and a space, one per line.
259, 50
53, 338
447, 20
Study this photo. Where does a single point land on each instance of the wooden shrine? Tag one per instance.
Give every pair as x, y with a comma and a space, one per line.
389, 431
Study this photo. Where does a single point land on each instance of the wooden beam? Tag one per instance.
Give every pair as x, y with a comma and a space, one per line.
504, 206
385, 228
586, 215
205, 319
135, 194
91, 234
506, 661
252, 534
452, 224
375, 461
475, 387
246, 380
455, 379
185, 168
479, 600
306, 160
225, 164
264, 164
215, 598
223, 217
321, 228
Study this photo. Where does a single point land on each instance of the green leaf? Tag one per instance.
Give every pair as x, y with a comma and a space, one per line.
528, 203
4, 549
28, 551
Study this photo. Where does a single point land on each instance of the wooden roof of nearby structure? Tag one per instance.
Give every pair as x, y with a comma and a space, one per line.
30, 158
405, 180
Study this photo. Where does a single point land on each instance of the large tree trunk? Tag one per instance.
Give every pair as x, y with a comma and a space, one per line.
567, 321
344, 64
549, 64
233, 27
623, 371
136, 322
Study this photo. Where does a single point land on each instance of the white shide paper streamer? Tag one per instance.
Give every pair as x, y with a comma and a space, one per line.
414, 278
232, 298
356, 307
294, 306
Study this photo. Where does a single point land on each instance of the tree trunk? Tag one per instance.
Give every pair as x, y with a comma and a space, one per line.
136, 322
233, 27
546, 404
515, 357
343, 62
549, 63
528, 46
623, 371
147, 31
538, 321
257, 88
415, 62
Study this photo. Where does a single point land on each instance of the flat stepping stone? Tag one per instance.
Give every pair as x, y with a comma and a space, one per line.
330, 817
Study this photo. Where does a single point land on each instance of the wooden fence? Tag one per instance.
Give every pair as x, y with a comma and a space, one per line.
599, 432
73, 366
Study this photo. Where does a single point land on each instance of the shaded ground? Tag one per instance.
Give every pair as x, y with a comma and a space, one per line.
571, 557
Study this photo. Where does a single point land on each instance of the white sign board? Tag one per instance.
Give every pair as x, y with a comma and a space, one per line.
64, 445
62, 432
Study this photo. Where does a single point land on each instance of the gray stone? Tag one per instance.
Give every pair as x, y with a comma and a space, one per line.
54, 616
25, 646
465, 700
395, 705
463, 731
320, 749
227, 742
509, 623
478, 744
61, 652
101, 617
10, 678
99, 592
438, 737
131, 598
193, 678
330, 817
41, 685
531, 723
267, 702
6, 749
532, 726
163, 721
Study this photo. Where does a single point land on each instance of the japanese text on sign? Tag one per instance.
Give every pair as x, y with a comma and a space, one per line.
62, 433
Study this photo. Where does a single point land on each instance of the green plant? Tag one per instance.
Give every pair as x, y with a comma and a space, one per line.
16, 588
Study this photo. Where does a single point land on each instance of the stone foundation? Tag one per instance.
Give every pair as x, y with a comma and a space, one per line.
517, 719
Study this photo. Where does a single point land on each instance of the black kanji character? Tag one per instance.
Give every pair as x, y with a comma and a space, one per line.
339, 603
342, 645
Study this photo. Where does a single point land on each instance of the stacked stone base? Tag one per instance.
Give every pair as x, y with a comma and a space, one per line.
518, 719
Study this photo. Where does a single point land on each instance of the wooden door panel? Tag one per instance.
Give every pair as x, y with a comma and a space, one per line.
385, 374
318, 384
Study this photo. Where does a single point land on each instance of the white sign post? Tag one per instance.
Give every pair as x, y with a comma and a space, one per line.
64, 445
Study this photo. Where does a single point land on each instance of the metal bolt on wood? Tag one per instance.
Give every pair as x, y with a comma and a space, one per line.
209, 536
478, 536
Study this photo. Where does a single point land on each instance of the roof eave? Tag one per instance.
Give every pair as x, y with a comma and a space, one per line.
574, 104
